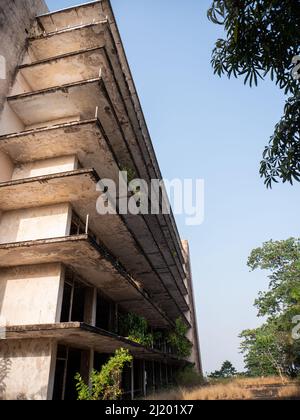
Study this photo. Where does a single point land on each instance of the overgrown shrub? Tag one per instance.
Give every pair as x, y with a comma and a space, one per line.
136, 329
178, 341
189, 377
106, 384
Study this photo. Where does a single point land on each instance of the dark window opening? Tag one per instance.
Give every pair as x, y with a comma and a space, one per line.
77, 226
138, 379
68, 364
73, 304
100, 359
126, 383
74, 366
105, 313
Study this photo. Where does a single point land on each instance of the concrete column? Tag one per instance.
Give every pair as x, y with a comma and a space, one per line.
153, 375
160, 374
52, 371
132, 380
91, 366
87, 360
144, 376
167, 376
6, 168
116, 318
90, 306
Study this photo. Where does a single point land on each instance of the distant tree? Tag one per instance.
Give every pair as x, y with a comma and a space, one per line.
272, 349
263, 350
263, 38
227, 371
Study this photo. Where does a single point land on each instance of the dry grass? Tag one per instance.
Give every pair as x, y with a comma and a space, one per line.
236, 389
271, 380
230, 391
290, 392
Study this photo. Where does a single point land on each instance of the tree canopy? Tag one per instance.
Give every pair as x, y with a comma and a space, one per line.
272, 349
227, 371
263, 39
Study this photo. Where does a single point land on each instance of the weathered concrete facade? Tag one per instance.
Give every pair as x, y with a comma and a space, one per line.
69, 118
16, 20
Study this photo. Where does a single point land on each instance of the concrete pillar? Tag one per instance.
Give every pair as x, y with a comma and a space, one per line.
132, 380
116, 319
144, 376
167, 376
90, 306
153, 375
85, 365
91, 366
160, 374
6, 168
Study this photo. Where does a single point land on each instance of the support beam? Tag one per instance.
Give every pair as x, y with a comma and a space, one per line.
132, 380
90, 306
153, 375
144, 373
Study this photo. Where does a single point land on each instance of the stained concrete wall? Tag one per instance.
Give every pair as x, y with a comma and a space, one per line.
37, 223
45, 167
31, 295
26, 369
193, 334
16, 19
6, 167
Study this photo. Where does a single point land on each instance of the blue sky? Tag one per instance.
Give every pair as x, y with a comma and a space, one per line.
215, 129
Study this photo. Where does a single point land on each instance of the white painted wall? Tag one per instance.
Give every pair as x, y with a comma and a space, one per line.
10, 122
45, 167
20, 86
26, 368
36, 223
31, 295
73, 118
6, 168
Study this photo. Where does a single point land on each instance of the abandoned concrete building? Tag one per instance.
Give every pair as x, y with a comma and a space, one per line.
69, 117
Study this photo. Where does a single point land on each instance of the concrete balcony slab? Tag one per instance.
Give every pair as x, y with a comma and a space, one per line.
87, 337
66, 187
67, 40
65, 69
85, 139
94, 263
85, 65
87, 98
110, 37
70, 17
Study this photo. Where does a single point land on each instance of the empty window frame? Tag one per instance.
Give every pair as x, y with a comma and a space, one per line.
73, 305
106, 313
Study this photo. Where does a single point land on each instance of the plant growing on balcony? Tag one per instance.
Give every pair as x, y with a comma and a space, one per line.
136, 329
178, 341
106, 384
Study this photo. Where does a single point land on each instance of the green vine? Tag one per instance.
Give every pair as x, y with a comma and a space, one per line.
178, 341
106, 384
136, 329
131, 174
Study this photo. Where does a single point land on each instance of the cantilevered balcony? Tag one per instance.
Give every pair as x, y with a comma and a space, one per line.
91, 261
86, 336
67, 40
71, 17
84, 98
64, 47
79, 189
